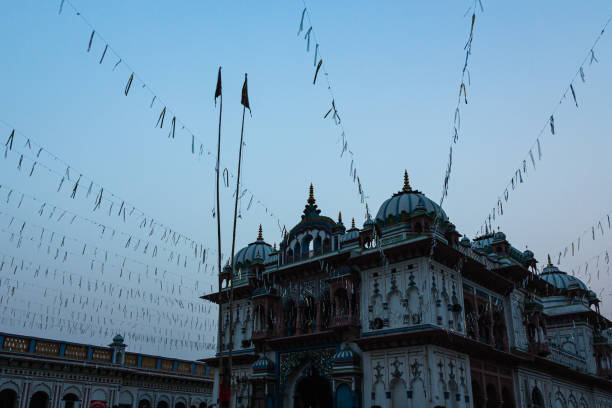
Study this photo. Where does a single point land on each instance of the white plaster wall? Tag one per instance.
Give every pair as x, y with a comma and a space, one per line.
416, 377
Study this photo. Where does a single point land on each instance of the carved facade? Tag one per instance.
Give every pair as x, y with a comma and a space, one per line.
373, 317
42, 373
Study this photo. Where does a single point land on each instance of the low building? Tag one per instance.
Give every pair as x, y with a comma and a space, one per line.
405, 312
43, 373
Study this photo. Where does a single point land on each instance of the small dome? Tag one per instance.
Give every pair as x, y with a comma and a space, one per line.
465, 241
527, 255
118, 339
560, 279
409, 202
499, 236
345, 356
368, 223
258, 251
263, 364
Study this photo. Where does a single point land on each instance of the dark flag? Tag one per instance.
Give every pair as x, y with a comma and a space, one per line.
218, 90
245, 95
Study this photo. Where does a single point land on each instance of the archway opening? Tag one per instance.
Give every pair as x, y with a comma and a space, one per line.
492, 398
8, 399
537, 399
144, 403
40, 399
179, 405
313, 391
71, 401
162, 404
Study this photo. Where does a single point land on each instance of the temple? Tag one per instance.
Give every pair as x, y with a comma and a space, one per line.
405, 312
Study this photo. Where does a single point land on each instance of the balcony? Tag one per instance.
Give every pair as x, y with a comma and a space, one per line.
344, 322
540, 349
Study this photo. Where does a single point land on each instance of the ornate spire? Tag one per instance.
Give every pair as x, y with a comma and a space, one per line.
406, 182
311, 209
311, 199
274, 247
353, 223
340, 217
260, 234
549, 262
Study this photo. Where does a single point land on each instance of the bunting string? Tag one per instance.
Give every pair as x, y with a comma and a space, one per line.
333, 113
178, 126
520, 173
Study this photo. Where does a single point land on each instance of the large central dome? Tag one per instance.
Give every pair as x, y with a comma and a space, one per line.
407, 203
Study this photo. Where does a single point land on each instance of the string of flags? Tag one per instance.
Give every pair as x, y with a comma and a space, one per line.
13, 265
59, 214
81, 247
332, 112
461, 99
167, 116
30, 157
534, 154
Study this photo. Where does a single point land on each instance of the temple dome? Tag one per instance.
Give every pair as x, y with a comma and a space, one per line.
257, 251
560, 279
409, 202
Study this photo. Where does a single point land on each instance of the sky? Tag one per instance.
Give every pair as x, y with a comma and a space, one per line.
395, 70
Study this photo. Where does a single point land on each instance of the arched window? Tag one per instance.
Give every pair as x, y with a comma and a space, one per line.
144, 403
8, 399
492, 397
477, 395
507, 398
179, 405
341, 302
537, 399
70, 401
40, 399
162, 404
317, 246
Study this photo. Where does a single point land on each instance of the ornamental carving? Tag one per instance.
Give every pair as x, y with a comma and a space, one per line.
319, 359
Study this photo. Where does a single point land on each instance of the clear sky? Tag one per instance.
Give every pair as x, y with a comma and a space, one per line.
394, 67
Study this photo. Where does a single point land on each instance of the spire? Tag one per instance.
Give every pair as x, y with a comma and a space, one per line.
311, 199
549, 262
406, 182
260, 234
340, 217
353, 223
274, 247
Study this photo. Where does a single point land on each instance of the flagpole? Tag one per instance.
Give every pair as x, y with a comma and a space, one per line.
223, 377
231, 328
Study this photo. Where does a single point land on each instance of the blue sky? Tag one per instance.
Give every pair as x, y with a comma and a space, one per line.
395, 69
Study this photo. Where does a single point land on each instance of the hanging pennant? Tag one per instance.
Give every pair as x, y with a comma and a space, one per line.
99, 199
76, 186
173, 127
317, 71
582, 74
103, 53
593, 57
160, 120
91, 40
307, 38
532, 159
302, 21
9, 142
539, 149
573, 94
129, 84
552, 124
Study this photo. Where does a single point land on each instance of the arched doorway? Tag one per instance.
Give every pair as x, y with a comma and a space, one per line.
144, 403
162, 404
537, 399
313, 391
179, 405
71, 401
8, 399
40, 399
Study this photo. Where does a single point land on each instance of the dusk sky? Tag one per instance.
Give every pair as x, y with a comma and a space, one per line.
395, 70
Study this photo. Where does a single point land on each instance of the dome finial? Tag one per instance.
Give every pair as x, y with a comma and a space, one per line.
260, 234
406, 182
340, 217
311, 199
549, 262
353, 223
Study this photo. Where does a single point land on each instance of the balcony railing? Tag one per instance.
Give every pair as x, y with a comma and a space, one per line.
343, 321
541, 349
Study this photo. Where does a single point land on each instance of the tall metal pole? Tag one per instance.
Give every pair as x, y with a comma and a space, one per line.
223, 374
231, 330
